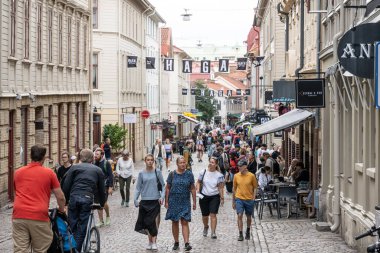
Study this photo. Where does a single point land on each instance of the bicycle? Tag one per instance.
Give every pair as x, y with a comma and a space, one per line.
91, 242
374, 229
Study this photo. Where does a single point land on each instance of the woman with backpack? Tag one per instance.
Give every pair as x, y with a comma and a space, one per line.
180, 186
150, 185
210, 184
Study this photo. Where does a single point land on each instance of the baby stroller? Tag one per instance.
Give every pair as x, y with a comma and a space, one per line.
63, 239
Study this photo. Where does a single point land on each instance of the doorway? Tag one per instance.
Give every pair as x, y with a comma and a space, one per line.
11, 155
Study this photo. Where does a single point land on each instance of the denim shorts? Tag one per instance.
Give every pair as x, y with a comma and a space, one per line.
244, 206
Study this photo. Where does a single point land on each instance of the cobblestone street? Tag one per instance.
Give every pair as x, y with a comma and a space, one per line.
269, 235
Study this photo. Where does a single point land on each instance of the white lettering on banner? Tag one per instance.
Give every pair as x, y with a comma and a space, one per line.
202, 92
220, 93
365, 51
205, 66
212, 94
223, 67
132, 61
229, 93
169, 64
186, 67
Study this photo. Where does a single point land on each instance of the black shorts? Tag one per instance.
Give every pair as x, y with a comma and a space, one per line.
96, 200
209, 204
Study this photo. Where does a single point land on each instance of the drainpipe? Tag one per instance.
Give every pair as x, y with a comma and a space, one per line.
336, 207
257, 69
286, 14
91, 88
118, 63
317, 112
302, 35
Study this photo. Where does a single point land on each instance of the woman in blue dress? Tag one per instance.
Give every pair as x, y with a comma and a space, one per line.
179, 187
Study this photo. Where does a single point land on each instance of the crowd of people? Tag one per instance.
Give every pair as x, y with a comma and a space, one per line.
236, 164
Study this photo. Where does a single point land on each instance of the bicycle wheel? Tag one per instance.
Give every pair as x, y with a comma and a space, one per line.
94, 241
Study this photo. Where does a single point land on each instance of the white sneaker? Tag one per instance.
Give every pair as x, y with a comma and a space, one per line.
149, 246
154, 247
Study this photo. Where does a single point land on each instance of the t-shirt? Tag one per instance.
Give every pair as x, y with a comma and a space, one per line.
244, 186
33, 184
211, 180
62, 172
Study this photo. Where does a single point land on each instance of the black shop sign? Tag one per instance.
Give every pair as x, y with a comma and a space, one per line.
356, 49
310, 93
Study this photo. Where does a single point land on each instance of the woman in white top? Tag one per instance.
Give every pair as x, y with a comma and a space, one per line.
124, 169
264, 178
210, 184
200, 147
169, 153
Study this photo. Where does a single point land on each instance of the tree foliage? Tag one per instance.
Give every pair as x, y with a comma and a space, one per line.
116, 134
204, 104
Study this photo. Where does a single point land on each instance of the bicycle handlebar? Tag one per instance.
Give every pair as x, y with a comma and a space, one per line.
368, 233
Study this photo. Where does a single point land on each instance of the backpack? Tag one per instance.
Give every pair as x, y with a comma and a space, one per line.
63, 238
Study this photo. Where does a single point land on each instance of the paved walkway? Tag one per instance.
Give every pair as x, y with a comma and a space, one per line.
269, 235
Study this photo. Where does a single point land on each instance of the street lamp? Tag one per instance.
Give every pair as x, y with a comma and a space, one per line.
186, 16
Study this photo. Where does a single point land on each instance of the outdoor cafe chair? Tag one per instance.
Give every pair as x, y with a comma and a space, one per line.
268, 198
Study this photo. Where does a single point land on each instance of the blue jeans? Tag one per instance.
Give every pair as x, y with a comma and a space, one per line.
79, 212
159, 163
244, 206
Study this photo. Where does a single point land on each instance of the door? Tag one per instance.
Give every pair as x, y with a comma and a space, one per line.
11, 156
97, 129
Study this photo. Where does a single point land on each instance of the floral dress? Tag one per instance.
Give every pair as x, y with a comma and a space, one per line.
179, 204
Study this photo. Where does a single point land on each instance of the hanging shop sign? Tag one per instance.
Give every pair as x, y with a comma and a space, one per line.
310, 93
268, 96
131, 61
241, 63
377, 75
130, 118
284, 91
169, 64
205, 66
150, 62
356, 49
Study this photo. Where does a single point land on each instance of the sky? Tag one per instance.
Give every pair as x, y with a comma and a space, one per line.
218, 22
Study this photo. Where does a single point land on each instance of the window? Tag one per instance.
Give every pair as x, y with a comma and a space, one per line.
95, 71
78, 43
60, 38
50, 35
69, 41
39, 31
26, 28
95, 14
13, 27
85, 46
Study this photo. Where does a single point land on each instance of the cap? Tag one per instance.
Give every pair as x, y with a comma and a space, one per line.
242, 162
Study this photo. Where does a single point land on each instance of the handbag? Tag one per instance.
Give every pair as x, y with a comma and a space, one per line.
159, 185
201, 182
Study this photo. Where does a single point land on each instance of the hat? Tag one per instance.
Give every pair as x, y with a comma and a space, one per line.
242, 162
73, 157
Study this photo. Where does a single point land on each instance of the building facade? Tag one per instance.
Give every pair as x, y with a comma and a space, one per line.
44, 91
119, 31
350, 132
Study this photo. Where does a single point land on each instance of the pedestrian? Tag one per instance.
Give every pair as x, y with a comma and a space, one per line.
33, 184
169, 153
64, 168
124, 169
150, 185
210, 185
200, 147
187, 155
107, 148
159, 154
179, 187
252, 164
105, 166
243, 197
84, 182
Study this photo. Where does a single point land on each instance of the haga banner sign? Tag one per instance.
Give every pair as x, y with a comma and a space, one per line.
356, 49
205, 66
310, 93
241, 63
223, 65
187, 66
168, 64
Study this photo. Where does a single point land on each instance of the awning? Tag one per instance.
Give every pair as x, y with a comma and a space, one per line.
287, 120
190, 119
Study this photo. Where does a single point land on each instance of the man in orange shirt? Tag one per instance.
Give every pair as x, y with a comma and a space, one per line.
30, 221
243, 197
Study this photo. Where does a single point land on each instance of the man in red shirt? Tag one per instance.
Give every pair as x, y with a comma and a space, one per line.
30, 220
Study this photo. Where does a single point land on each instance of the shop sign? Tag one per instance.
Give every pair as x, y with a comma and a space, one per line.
130, 118
356, 49
377, 75
284, 91
310, 93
